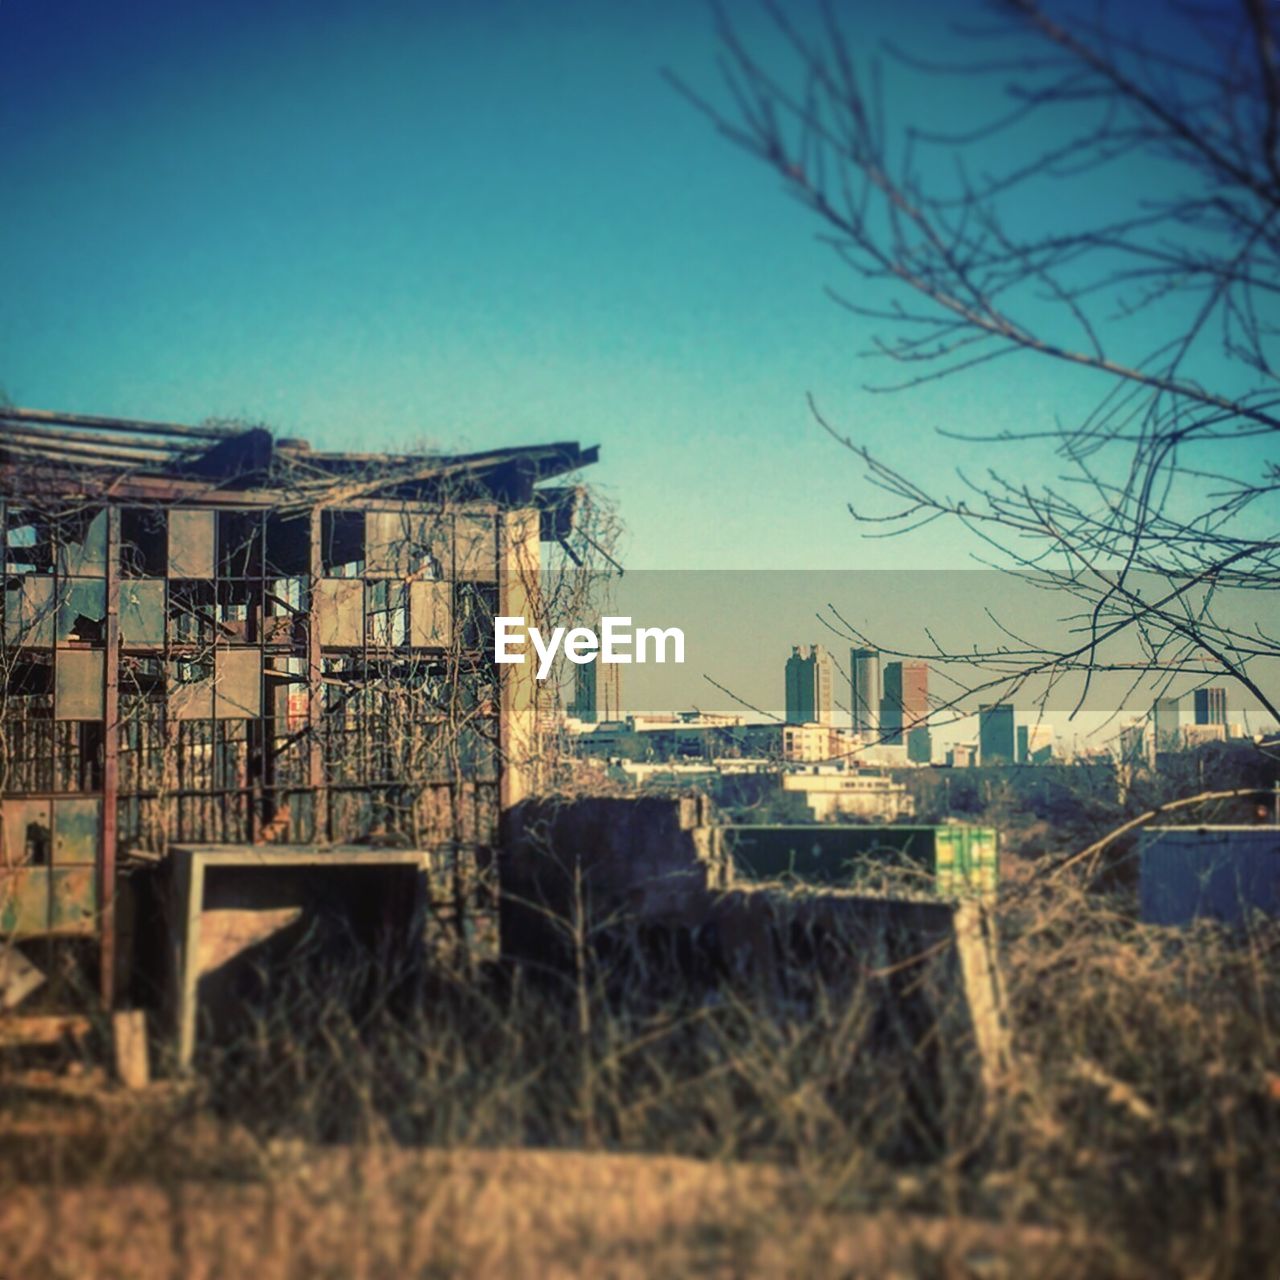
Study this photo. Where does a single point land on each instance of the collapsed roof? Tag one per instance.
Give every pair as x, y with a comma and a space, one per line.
46, 450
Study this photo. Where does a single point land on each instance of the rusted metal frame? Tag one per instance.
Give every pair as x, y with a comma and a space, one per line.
108, 443
96, 455
315, 690
16, 414
110, 761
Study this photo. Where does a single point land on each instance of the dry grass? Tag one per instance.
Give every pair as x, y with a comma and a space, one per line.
481, 1214
365, 1126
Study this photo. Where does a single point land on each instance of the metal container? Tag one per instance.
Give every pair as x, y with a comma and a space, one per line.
950, 861
1209, 873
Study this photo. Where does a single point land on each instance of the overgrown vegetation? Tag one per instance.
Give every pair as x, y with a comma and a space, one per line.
1134, 1134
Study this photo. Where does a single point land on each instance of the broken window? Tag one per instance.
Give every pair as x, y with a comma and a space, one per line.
406, 543
342, 544
77, 755
191, 689
144, 543
474, 606
82, 543
239, 544
288, 545
192, 619
239, 611
27, 832
29, 612
28, 542
386, 603
82, 609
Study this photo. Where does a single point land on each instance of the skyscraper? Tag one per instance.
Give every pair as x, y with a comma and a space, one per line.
1211, 705
905, 701
864, 689
1166, 719
809, 685
1035, 743
597, 692
995, 733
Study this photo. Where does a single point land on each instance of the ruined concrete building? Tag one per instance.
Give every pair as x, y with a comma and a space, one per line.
216, 638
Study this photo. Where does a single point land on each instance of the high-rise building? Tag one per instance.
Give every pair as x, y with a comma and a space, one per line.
1133, 744
1166, 721
864, 689
905, 701
809, 672
597, 692
1035, 743
1211, 705
995, 733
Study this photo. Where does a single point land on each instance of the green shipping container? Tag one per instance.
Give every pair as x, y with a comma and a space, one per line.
951, 861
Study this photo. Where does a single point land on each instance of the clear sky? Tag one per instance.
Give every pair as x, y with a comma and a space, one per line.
383, 224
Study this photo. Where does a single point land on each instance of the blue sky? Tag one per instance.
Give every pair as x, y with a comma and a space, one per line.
388, 224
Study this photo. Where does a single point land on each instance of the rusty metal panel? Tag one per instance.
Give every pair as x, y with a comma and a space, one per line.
24, 901
191, 543
77, 826
475, 543
29, 612
142, 611
26, 830
238, 690
82, 551
431, 614
36, 900
190, 690
339, 606
79, 684
74, 901
82, 609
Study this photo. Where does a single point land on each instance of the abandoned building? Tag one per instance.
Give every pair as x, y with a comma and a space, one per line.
214, 640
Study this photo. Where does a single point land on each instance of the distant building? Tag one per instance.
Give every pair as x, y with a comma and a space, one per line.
815, 743
964, 755
1196, 735
1166, 720
1035, 743
864, 690
905, 702
809, 671
1133, 744
995, 733
864, 795
597, 692
1211, 705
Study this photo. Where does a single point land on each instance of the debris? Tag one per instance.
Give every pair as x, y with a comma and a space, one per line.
18, 978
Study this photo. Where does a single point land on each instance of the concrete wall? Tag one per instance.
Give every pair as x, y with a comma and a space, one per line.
571, 868
650, 877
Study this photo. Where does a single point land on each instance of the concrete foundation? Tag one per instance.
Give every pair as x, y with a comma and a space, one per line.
227, 902
612, 876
